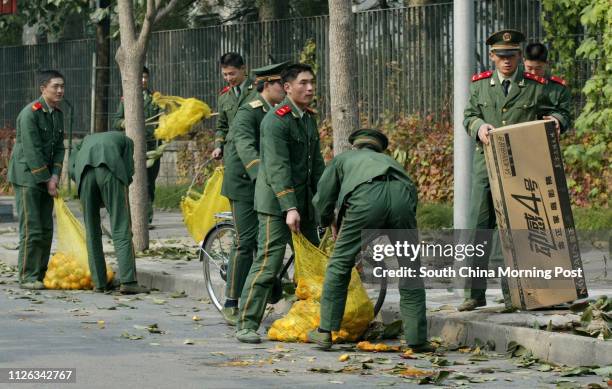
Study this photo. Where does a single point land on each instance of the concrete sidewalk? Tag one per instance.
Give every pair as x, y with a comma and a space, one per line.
461, 328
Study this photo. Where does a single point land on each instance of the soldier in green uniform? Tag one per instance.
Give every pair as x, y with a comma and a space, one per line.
291, 165
497, 98
150, 110
536, 62
239, 90
371, 191
241, 162
34, 170
102, 167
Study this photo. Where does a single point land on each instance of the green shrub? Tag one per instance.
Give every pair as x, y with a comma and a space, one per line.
440, 215
432, 216
593, 218
169, 196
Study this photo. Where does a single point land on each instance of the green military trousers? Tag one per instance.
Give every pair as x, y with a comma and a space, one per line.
482, 221
152, 174
35, 212
272, 240
100, 188
244, 248
382, 205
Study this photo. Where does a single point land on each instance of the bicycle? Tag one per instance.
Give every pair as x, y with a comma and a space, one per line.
215, 250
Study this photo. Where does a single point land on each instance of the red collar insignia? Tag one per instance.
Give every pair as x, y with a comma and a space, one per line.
535, 78
481, 76
36, 106
225, 90
282, 111
558, 80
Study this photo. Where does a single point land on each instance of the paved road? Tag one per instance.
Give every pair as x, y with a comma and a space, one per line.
105, 337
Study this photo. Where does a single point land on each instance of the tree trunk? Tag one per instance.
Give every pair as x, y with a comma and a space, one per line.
30, 35
272, 41
130, 57
102, 71
273, 9
344, 111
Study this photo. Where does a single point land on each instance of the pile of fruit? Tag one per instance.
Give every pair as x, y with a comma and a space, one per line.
65, 272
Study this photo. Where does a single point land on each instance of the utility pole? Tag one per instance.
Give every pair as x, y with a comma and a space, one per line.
463, 52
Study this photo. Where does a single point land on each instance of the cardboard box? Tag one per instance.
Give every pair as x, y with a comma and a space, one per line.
534, 217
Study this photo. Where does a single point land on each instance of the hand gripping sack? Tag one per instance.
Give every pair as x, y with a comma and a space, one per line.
304, 315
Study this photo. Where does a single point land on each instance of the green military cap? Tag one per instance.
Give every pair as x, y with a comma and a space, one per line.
505, 43
369, 136
270, 72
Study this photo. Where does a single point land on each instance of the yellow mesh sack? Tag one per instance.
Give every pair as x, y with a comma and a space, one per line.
199, 209
180, 115
68, 267
305, 314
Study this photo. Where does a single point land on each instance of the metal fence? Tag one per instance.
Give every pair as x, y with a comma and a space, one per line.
404, 59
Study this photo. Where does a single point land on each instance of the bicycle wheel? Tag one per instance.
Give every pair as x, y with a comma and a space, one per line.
214, 253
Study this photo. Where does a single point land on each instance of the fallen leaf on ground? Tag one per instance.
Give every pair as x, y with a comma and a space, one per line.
178, 295
344, 358
408, 354
130, 336
413, 372
378, 347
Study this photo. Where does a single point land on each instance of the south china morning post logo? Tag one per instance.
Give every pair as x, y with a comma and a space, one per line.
399, 260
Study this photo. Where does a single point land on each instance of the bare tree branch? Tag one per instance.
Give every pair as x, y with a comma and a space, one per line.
147, 23
166, 10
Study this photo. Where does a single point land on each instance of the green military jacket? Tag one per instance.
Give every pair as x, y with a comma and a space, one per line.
227, 106
526, 101
349, 170
150, 109
241, 154
561, 100
291, 161
39, 145
112, 149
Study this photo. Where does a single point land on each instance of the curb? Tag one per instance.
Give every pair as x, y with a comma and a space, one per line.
164, 281
558, 348
552, 347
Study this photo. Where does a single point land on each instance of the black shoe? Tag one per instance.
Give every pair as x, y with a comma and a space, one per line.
323, 340
34, 285
111, 285
133, 288
423, 348
471, 304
